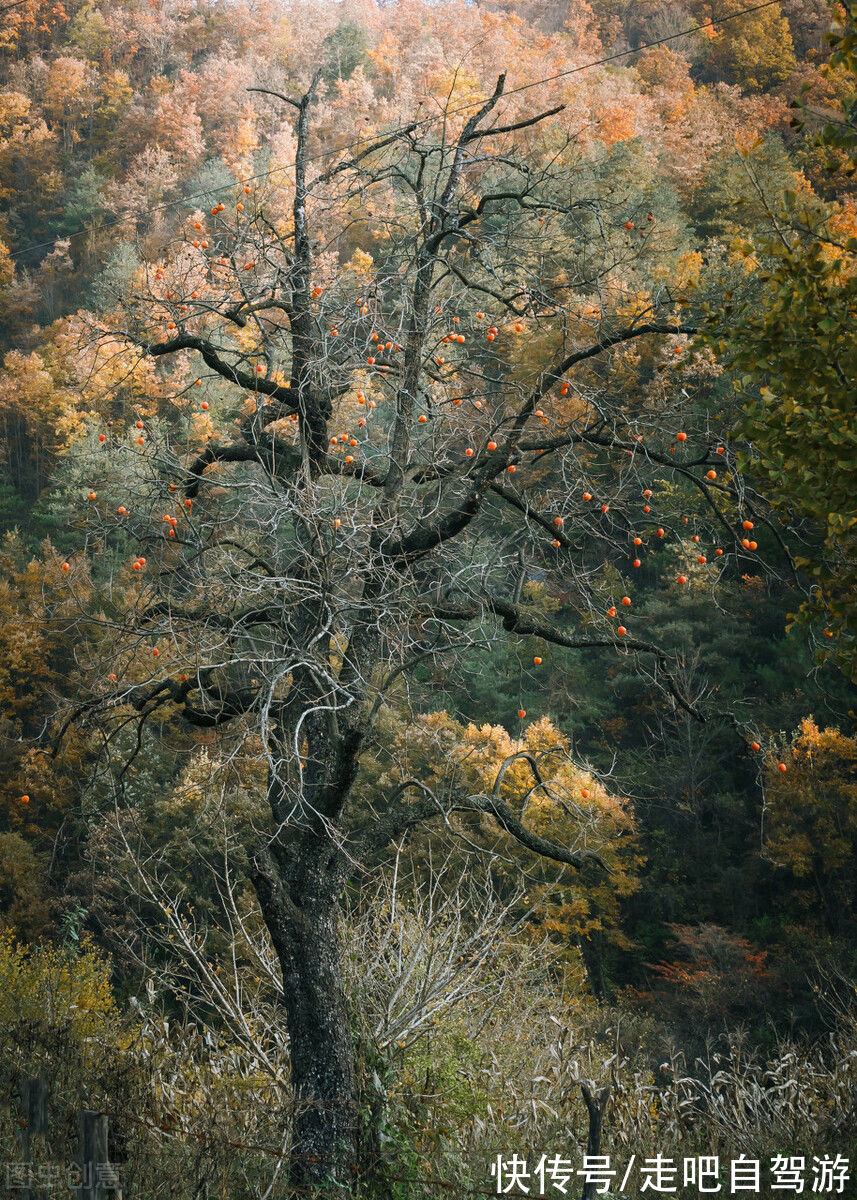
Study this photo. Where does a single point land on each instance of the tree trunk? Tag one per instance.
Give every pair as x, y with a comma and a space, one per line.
596, 1103
592, 953
298, 889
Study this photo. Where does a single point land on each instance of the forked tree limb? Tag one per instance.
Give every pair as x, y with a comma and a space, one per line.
400, 817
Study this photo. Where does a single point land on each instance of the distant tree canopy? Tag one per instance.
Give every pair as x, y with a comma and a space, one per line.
811, 827
344, 50
794, 345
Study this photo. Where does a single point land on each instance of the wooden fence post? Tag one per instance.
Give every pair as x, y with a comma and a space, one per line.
34, 1110
94, 1162
93, 1151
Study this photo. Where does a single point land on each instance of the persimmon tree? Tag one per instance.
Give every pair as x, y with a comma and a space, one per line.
395, 429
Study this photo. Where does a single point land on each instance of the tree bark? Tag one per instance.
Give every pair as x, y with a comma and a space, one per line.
298, 888
592, 954
596, 1104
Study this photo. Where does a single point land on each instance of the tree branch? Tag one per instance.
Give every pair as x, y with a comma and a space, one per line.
516, 621
212, 359
399, 818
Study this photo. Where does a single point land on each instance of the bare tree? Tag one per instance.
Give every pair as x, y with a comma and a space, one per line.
415, 436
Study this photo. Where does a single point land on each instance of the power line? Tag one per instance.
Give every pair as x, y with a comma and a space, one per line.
364, 141
638, 49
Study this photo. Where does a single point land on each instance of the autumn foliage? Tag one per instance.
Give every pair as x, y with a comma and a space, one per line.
427, 476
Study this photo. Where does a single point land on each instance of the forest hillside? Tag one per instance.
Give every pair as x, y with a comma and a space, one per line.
428, 490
